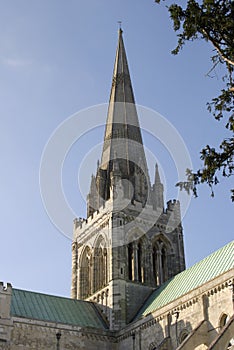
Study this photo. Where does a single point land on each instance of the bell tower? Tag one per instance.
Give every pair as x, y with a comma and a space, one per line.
130, 243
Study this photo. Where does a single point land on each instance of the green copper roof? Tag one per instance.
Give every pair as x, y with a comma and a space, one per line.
205, 270
55, 309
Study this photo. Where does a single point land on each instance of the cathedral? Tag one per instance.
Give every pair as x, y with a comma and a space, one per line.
130, 288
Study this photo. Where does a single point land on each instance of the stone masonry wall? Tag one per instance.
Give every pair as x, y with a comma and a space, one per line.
195, 318
29, 335
196, 315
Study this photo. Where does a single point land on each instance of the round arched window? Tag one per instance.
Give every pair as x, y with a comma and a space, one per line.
222, 323
183, 334
223, 320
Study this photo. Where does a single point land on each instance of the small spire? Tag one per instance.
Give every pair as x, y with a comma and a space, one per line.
157, 179
157, 195
93, 183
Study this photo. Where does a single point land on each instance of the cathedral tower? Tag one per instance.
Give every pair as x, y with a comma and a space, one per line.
129, 244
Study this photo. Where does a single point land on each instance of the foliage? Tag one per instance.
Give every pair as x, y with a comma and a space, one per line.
212, 21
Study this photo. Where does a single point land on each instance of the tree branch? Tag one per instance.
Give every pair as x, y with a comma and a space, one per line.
217, 48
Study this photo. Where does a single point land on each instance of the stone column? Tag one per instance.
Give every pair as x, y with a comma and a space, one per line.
148, 270
143, 263
129, 254
105, 267
135, 261
159, 267
91, 274
152, 276
74, 270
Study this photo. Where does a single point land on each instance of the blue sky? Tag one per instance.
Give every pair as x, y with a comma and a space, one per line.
56, 58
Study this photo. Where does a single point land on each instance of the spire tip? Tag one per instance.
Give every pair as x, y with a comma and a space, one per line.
120, 27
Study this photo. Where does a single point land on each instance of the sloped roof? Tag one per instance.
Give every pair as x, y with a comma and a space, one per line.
52, 308
205, 270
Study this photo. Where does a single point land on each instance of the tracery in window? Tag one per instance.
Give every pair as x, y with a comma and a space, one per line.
85, 270
100, 265
137, 253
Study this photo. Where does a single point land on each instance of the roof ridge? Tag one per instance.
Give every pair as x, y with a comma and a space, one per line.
51, 295
207, 257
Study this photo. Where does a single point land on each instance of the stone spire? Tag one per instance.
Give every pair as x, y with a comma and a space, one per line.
123, 134
157, 179
157, 193
121, 83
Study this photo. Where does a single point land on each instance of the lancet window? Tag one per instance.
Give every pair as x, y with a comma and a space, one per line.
86, 270
136, 262
148, 262
160, 270
100, 271
93, 269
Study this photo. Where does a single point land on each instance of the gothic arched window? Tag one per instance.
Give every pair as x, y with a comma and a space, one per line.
183, 335
100, 269
85, 273
223, 321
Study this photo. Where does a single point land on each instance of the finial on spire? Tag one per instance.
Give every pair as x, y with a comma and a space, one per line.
120, 26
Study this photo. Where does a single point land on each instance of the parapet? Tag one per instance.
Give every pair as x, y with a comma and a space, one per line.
171, 204
5, 288
5, 300
82, 222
